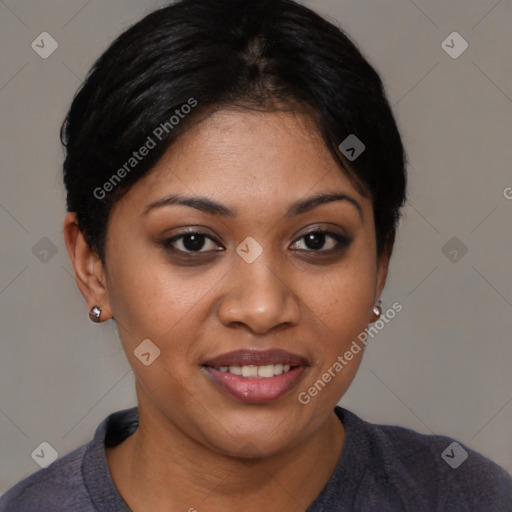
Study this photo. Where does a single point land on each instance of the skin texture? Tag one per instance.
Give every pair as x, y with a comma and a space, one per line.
195, 446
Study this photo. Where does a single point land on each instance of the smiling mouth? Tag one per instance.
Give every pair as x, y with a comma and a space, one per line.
256, 376
254, 363
266, 371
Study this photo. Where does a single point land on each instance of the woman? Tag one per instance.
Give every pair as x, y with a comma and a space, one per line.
234, 179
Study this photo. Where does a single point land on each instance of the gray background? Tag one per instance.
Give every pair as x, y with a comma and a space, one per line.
442, 365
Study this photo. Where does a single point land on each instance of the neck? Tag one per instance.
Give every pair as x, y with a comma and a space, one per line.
161, 468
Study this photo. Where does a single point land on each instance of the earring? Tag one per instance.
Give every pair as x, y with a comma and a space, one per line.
377, 310
95, 314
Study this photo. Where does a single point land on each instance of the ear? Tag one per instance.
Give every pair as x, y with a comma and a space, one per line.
89, 271
382, 273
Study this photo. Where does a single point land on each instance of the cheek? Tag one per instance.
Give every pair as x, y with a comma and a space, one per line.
343, 297
168, 306
148, 302
146, 296
340, 303
340, 314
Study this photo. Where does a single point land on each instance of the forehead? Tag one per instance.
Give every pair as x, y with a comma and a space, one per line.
242, 155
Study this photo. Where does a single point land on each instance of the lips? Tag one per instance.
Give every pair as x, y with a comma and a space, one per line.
256, 358
256, 376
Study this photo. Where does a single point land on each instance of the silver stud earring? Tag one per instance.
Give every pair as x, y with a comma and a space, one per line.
377, 309
95, 314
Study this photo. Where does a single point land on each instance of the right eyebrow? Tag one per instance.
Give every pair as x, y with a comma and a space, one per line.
200, 203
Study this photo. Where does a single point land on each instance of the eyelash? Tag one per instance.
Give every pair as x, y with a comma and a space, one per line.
342, 242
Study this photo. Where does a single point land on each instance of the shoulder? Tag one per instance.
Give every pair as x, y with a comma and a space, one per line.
431, 469
58, 487
80, 480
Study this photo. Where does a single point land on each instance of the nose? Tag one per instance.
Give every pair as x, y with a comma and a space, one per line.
259, 299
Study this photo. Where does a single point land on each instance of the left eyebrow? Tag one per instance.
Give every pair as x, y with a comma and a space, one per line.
309, 203
214, 208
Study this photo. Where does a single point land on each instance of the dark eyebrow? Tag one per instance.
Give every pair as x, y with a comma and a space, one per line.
309, 203
212, 207
200, 203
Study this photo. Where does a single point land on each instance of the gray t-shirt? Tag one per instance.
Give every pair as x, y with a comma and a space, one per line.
381, 469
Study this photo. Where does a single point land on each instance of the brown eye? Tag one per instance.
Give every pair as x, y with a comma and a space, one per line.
321, 241
192, 242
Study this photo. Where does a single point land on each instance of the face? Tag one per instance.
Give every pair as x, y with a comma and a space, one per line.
222, 257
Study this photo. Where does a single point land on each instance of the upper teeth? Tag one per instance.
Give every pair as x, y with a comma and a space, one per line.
266, 371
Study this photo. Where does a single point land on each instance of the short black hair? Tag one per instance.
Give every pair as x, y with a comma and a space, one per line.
193, 57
